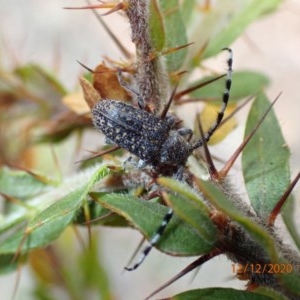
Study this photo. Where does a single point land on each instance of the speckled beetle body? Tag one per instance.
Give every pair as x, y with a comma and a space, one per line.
143, 134
153, 139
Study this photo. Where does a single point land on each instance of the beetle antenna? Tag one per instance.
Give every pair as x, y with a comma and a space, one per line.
167, 107
225, 99
154, 240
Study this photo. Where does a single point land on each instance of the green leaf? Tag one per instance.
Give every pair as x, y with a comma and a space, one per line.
248, 12
47, 223
7, 264
219, 293
92, 213
179, 239
226, 205
20, 184
189, 206
156, 26
265, 160
244, 84
269, 292
291, 281
187, 9
42, 85
175, 33
192, 214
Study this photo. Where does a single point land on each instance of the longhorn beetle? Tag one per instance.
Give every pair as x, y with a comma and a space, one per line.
153, 139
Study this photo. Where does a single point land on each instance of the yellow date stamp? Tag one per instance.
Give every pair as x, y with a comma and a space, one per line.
260, 268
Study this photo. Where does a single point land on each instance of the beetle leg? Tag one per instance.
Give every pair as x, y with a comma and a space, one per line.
141, 164
108, 141
171, 120
185, 132
135, 93
179, 173
137, 164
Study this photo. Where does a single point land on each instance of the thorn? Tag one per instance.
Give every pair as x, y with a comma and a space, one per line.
211, 167
80, 238
38, 177
167, 51
119, 6
19, 249
167, 107
111, 5
84, 66
276, 210
57, 165
119, 45
89, 6
17, 282
224, 171
87, 216
197, 263
195, 87
98, 218
99, 154
15, 201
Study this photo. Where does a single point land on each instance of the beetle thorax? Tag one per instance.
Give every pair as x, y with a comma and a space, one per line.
175, 150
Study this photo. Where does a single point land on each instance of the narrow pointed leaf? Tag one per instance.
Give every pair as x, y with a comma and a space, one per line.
20, 184
244, 84
184, 190
192, 215
179, 239
188, 205
248, 12
224, 204
156, 24
46, 224
175, 33
265, 160
291, 281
